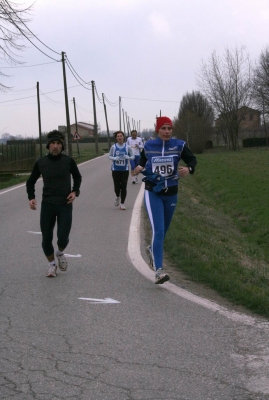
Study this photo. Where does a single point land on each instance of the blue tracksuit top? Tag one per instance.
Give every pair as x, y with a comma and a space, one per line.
162, 161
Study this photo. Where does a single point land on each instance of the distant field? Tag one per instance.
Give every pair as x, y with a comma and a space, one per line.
220, 232
84, 152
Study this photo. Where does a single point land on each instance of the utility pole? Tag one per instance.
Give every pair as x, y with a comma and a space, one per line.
120, 111
107, 129
74, 101
69, 144
123, 121
39, 120
127, 125
94, 115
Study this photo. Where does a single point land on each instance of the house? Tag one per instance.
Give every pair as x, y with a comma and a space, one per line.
249, 126
84, 130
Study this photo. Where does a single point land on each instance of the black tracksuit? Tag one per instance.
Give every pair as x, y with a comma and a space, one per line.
56, 172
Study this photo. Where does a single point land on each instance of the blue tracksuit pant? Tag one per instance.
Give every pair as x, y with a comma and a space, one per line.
160, 212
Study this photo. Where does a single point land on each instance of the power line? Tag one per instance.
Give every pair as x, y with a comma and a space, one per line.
98, 97
68, 62
164, 101
58, 103
76, 77
28, 29
23, 34
23, 98
34, 65
111, 103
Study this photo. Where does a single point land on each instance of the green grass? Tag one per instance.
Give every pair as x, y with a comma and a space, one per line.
86, 152
220, 231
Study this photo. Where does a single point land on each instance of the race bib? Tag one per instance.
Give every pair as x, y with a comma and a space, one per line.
163, 166
121, 161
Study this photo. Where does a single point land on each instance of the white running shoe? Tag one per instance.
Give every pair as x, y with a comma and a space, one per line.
62, 262
122, 207
161, 276
51, 272
117, 202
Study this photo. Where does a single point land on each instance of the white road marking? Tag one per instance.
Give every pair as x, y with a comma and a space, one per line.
140, 264
72, 255
106, 300
35, 233
17, 187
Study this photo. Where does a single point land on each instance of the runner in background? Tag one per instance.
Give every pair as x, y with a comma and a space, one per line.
136, 145
120, 154
159, 163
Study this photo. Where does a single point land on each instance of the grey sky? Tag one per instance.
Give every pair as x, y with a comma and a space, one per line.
136, 49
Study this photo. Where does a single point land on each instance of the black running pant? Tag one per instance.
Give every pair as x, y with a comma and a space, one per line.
48, 216
120, 179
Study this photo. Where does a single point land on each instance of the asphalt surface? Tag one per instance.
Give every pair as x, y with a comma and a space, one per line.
144, 342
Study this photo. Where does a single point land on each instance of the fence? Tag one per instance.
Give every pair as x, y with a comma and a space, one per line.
18, 156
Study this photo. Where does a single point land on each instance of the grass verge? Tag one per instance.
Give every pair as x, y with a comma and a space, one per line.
219, 234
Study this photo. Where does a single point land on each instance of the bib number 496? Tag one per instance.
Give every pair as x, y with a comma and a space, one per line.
163, 170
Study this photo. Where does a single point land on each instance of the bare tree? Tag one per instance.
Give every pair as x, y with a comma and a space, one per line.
195, 120
261, 88
226, 83
13, 19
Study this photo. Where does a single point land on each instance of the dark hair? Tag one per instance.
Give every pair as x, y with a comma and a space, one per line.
115, 134
134, 130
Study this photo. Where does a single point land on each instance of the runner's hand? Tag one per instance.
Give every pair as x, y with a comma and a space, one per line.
32, 204
71, 197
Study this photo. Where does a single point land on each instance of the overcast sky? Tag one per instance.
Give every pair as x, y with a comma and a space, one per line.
148, 52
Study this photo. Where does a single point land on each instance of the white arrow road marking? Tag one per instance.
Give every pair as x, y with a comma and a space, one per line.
35, 233
107, 300
72, 255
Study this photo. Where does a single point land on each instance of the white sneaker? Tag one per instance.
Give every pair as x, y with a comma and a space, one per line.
117, 202
51, 272
62, 262
122, 207
161, 276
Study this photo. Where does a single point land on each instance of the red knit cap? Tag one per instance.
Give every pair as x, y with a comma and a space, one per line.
160, 121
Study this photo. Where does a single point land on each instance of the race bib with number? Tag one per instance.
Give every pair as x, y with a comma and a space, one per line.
163, 166
121, 161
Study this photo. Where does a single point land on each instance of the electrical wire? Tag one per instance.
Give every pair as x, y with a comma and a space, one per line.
83, 109
22, 33
19, 91
111, 103
75, 72
98, 97
58, 103
23, 98
34, 65
164, 101
14, 11
77, 78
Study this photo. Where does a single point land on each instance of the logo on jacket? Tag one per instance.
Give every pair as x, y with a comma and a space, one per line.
173, 148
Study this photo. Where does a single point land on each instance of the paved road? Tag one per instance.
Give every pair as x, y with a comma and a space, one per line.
155, 342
